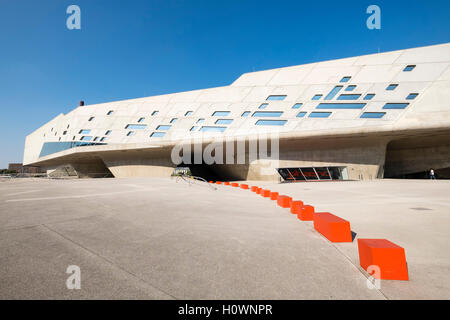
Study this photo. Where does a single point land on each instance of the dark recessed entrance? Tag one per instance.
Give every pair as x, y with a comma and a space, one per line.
313, 174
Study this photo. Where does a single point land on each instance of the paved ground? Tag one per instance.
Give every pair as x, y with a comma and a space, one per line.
162, 239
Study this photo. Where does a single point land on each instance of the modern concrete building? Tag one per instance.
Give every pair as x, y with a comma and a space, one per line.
367, 117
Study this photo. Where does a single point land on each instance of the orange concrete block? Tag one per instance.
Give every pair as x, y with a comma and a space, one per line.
234, 184
332, 227
284, 201
218, 182
226, 183
306, 213
254, 188
211, 182
273, 195
388, 256
244, 186
265, 193
296, 206
258, 191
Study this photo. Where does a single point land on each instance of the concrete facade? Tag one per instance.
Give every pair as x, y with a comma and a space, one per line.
410, 135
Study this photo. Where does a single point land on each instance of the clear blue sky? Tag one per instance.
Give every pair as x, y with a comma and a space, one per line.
129, 49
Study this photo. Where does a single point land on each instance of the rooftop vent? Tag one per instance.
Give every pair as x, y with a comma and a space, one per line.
81, 103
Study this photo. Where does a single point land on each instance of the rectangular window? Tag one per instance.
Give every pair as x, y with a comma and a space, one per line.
91, 118
268, 114
110, 112
263, 106
345, 79
409, 68
136, 126
173, 120
392, 87
108, 132
297, 106
350, 88
412, 96
349, 97
163, 127
86, 138
245, 114
84, 131
130, 133
317, 97
200, 120
157, 134
369, 96
319, 115
213, 129
373, 115
333, 92
224, 121
140, 120
187, 114
155, 113
395, 105
301, 114
341, 106
276, 97
271, 122
221, 113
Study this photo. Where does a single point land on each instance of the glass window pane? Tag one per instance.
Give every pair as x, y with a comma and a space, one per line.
333, 92
373, 115
136, 126
212, 129
317, 97
341, 106
269, 114
309, 173
276, 97
319, 114
412, 96
297, 106
157, 134
395, 105
163, 127
224, 121
345, 79
271, 122
349, 97
369, 96
221, 113
301, 114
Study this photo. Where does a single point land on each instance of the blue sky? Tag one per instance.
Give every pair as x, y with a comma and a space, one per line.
130, 49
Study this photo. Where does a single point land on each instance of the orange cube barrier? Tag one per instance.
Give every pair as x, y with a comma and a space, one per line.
265, 193
244, 186
284, 201
258, 191
234, 184
332, 227
218, 182
386, 255
254, 188
296, 206
211, 182
226, 183
306, 213
273, 195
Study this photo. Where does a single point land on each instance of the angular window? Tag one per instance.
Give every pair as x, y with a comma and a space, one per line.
224, 121
212, 129
276, 97
301, 114
392, 87
319, 115
104, 139
64, 133
110, 112
200, 120
412, 96
86, 138
369, 96
263, 106
409, 68
373, 115
84, 131
155, 113
136, 126
157, 134
108, 132
221, 113
350, 88
245, 114
349, 97
317, 97
194, 128
130, 133
333, 92
297, 106
140, 120
95, 139
91, 118
345, 79
341, 106
271, 122
395, 105
187, 114
268, 114
163, 127
173, 120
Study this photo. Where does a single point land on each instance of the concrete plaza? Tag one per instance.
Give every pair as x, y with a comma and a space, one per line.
137, 238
